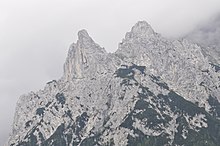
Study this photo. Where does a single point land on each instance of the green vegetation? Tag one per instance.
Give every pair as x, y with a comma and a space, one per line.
60, 98
158, 81
128, 72
40, 111
216, 67
144, 140
215, 109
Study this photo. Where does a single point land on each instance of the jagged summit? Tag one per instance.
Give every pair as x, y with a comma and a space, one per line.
151, 91
83, 57
141, 29
85, 41
84, 37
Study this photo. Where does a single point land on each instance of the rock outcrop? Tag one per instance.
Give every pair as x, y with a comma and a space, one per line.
151, 91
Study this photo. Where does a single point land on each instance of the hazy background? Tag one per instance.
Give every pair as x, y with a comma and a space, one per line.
207, 34
35, 36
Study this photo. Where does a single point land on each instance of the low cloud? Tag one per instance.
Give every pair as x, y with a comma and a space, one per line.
207, 34
35, 36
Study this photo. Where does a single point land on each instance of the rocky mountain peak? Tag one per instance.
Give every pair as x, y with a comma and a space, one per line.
84, 38
151, 91
83, 34
141, 29
83, 57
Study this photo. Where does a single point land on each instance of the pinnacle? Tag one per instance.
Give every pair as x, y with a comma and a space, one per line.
83, 34
142, 28
142, 25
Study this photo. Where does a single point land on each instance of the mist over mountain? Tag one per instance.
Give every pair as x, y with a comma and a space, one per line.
151, 91
207, 35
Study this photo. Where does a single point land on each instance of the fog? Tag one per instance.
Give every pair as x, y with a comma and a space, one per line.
207, 34
35, 36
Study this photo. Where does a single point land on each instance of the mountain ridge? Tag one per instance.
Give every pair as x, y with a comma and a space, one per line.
150, 91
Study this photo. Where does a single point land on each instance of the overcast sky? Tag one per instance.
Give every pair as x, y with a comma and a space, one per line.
35, 36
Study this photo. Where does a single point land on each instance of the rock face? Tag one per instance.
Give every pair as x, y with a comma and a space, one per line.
85, 58
151, 91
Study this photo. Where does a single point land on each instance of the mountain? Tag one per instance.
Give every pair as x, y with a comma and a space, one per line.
151, 91
207, 35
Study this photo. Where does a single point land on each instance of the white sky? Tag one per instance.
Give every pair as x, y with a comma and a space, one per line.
35, 36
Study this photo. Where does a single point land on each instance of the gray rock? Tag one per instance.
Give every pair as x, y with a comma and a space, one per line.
151, 91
